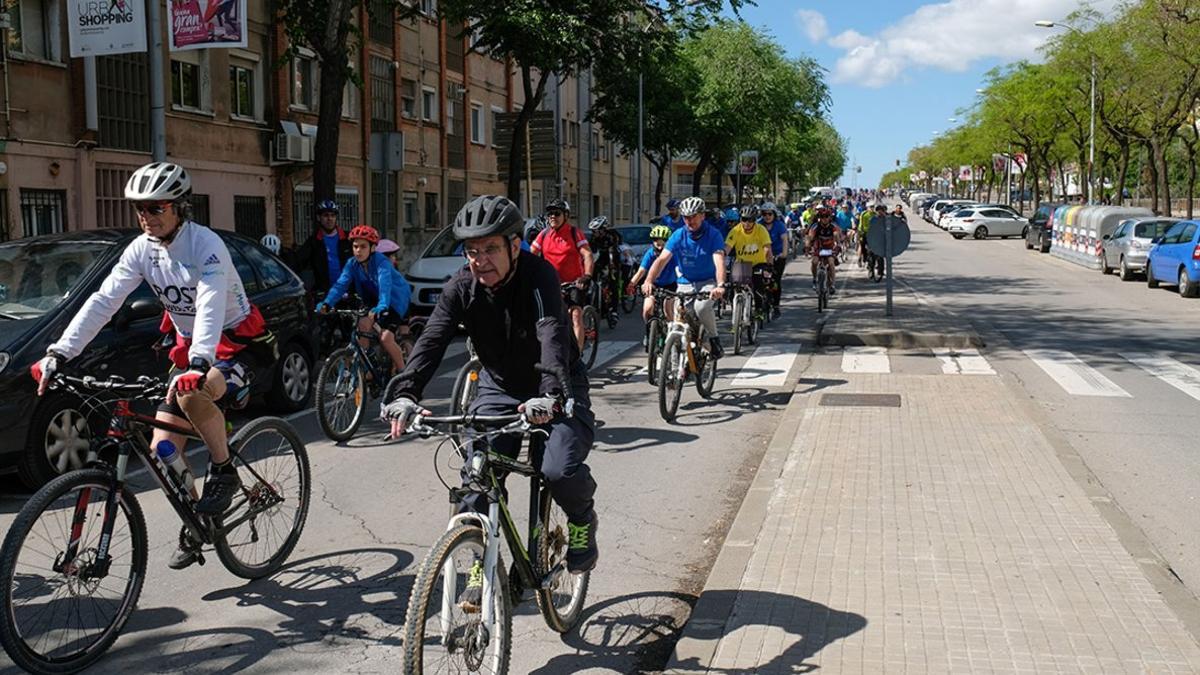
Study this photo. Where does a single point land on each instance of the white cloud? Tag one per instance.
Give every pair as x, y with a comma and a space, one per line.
812, 23
949, 36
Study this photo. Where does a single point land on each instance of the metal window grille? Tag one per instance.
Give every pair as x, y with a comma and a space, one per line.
43, 211
4, 229
454, 48
456, 195
250, 216
433, 218
456, 150
304, 219
200, 212
111, 208
379, 180
382, 22
408, 98
383, 94
123, 97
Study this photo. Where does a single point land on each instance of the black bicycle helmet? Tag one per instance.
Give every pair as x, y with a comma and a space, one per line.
557, 205
487, 216
749, 211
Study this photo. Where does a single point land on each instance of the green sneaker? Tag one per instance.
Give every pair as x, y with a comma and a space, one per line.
582, 553
471, 598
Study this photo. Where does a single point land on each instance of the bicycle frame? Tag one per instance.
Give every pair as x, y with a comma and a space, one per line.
681, 326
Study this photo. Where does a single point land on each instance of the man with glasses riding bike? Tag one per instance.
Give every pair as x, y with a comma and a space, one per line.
699, 253
510, 303
569, 253
376, 282
189, 268
824, 234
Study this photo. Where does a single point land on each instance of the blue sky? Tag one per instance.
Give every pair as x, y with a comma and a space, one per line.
898, 70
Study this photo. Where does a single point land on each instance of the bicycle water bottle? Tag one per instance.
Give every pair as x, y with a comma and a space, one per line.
177, 465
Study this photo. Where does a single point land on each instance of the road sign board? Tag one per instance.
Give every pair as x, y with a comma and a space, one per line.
877, 235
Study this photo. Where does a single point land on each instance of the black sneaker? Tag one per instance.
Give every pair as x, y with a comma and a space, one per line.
774, 313
714, 348
186, 554
582, 553
219, 489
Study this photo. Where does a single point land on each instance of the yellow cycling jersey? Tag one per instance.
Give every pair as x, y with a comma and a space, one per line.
749, 247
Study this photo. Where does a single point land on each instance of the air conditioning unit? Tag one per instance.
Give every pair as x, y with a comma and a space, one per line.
293, 148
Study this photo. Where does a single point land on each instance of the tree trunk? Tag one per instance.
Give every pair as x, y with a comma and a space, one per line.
720, 169
1122, 169
329, 126
1164, 173
660, 166
1152, 167
701, 167
516, 151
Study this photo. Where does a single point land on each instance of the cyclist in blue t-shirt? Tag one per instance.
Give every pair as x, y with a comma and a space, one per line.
699, 254
665, 279
672, 220
376, 280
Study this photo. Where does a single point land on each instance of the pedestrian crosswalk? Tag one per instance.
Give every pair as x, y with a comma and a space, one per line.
768, 366
1073, 375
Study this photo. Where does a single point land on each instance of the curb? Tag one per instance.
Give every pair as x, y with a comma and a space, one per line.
710, 616
899, 338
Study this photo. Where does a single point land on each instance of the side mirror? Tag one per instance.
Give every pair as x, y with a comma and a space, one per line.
142, 308
1106, 237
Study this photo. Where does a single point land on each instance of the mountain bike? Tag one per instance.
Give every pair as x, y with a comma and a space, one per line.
349, 375
591, 327
742, 316
824, 284
445, 633
682, 355
74, 560
656, 337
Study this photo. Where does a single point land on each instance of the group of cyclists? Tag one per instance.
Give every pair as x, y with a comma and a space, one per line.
519, 298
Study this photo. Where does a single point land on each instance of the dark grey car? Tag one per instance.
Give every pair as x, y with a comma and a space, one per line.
1126, 248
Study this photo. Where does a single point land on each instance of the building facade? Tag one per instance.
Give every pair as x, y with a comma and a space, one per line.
244, 129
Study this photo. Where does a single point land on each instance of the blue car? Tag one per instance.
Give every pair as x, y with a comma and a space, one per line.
1175, 259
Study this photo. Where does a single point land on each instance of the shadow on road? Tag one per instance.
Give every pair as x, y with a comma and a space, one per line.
219, 650
627, 439
319, 594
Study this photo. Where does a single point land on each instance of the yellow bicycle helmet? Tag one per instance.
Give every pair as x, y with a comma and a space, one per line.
660, 232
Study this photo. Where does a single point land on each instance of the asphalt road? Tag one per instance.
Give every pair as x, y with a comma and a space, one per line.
1114, 364
666, 496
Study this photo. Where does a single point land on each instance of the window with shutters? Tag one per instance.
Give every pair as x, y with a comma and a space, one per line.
111, 208
123, 101
381, 22
454, 48
383, 94
250, 216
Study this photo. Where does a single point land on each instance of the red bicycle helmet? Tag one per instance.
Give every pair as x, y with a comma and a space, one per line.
364, 232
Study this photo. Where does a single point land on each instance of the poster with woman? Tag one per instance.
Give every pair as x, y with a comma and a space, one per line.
200, 24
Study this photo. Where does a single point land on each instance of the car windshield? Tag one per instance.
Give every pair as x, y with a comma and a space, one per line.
443, 246
635, 236
37, 276
1150, 230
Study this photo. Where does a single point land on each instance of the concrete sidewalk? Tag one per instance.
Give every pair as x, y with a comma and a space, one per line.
940, 536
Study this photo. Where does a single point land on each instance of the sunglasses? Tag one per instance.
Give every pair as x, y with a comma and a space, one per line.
151, 208
554, 214
747, 219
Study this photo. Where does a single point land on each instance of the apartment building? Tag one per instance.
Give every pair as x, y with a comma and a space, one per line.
244, 128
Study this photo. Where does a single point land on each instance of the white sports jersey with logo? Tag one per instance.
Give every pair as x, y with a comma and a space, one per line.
193, 277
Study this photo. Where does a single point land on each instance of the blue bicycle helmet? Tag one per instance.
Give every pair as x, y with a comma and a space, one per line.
326, 205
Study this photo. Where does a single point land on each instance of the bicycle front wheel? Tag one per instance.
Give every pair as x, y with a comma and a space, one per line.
736, 319
670, 380
591, 335
561, 600
61, 615
341, 395
258, 532
445, 634
655, 330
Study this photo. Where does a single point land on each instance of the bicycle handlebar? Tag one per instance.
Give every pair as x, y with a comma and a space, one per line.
144, 385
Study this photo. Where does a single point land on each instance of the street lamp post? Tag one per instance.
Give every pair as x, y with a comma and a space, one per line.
1092, 121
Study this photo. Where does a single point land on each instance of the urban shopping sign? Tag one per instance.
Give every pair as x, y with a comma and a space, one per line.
99, 27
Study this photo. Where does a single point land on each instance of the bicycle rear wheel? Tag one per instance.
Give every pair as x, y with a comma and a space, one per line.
440, 634
561, 601
670, 380
591, 335
737, 319
707, 377
341, 395
258, 532
64, 621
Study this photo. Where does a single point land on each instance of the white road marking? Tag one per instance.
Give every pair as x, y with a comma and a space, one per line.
1075, 376
768, 366
1175, 373
865, 360
963, 362
607, 351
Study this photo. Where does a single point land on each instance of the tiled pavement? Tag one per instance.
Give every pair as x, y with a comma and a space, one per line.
942, 536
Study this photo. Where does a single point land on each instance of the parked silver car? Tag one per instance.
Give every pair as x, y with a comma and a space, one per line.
1126, 248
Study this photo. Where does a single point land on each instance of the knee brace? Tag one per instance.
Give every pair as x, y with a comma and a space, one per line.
200, 406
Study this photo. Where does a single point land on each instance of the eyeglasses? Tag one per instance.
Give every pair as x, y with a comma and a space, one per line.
554, 214
747, 219
489, 252
151, 208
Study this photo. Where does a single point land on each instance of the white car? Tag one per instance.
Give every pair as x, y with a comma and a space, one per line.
440, 260
942, 208
982, 223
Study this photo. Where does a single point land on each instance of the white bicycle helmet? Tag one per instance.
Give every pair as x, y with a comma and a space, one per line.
271, 243
691, 206
158, 182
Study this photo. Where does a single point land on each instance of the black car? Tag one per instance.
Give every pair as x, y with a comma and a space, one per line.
43, 283
1039, 234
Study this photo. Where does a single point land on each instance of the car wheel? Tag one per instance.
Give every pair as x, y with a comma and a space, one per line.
958, 236
58, 440
981, 232
1187, 289
1126, 273
293, 380
1150, 280
1104, 267
1025, 234
1028, 244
